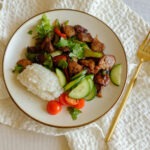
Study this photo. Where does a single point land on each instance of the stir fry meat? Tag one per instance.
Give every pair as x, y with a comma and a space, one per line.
47, 45
106, 62
69, 30
89, 64
75, 50
55, 39
103, 80
74, 67
79, 29
96, 45
84, 37
24, 62
65, 49
40, 58
33, 49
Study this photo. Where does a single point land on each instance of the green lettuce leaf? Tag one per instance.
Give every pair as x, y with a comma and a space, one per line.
44, 28
76, 47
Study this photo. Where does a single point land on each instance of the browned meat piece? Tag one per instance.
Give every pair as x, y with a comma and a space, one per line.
79, 29
96, 45
102, 80
69, 30
56, 39
47, 45
24, 62
74, 67
65, 49
66, 72
84, 37
99, 90
88, 63
106, 62
40, 58
33, 49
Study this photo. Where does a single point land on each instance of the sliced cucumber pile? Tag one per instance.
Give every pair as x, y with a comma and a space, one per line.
81, 86
61, 77
115, 74
73, 83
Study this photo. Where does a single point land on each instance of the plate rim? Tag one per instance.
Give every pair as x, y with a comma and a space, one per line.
60, 126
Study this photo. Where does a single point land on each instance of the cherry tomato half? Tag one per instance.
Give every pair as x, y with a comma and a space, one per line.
53, 107
62, 99
80, 104
71, 101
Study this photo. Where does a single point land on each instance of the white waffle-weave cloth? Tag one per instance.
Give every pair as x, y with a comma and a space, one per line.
133, 129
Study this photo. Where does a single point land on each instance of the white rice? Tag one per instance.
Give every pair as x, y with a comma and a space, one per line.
41, 82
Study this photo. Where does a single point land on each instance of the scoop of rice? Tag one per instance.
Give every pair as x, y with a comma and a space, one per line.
41, 82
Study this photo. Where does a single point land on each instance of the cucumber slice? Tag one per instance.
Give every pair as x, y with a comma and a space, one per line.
73, 83
61, 77
90, 76
83, 72
81, 90
115, 74
91, 83
92, 94
56, 53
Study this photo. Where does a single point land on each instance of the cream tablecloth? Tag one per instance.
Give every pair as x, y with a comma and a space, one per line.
133, 129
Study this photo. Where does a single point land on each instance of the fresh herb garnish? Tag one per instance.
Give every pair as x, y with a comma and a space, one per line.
62, 64
74, 112
31, 56
30, 32
62, 43
18, 68
48, 63
44, 28
76, 47
77, 51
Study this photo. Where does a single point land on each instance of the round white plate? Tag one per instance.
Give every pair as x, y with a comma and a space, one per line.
34, 106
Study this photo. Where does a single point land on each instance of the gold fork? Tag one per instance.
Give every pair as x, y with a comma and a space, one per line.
144, 55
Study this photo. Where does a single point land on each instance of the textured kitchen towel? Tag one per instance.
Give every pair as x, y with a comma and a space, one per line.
132, 132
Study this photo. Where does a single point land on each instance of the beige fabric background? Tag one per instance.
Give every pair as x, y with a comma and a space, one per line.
20, 139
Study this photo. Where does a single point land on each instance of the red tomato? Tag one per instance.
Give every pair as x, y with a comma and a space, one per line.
80, 104
56, 59
71, 101
62, 98
53, 107
58, 32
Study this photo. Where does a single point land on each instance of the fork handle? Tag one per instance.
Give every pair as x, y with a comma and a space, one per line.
120, 108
